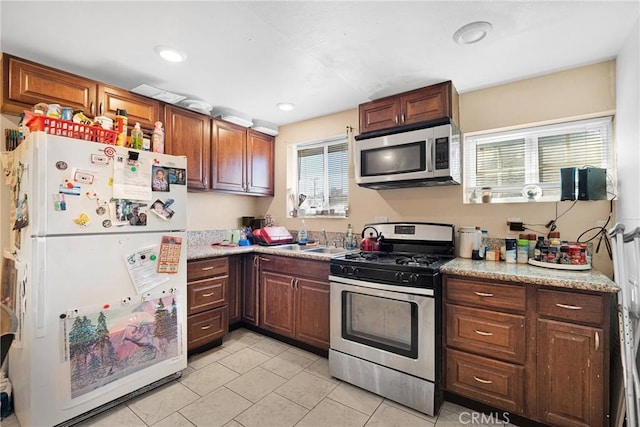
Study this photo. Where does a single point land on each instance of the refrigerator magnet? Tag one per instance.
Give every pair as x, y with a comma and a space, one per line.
83, 177
67, 187
60, 165
160, 180
82, 220
161, 210
177, 176
100, 159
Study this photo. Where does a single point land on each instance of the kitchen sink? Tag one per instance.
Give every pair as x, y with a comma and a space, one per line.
294, 247
327, 250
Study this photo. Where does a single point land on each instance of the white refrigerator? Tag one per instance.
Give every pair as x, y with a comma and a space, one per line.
97, 236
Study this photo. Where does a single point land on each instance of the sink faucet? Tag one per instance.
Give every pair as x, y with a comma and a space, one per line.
325, 239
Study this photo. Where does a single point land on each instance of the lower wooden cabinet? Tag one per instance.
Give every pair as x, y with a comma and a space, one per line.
537, 352
249, 287
207, 298
234, 289
294, 299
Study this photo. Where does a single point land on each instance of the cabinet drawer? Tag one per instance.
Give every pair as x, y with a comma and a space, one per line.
490, 333
207, 268
572, 306
206, 327
485, 295
489, 381
206, 294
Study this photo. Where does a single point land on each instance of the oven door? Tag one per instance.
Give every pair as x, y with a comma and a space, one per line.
392, 329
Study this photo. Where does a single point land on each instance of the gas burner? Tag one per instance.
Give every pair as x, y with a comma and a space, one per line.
368, 256
417, 260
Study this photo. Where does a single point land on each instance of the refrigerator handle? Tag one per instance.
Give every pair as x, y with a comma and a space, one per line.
37, 277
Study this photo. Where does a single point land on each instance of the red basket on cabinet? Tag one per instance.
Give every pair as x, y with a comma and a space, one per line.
69, 129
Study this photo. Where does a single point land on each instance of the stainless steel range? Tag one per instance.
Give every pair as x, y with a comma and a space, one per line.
385, 314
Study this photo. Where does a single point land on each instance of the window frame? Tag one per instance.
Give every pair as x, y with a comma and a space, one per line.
325, 143
531, 136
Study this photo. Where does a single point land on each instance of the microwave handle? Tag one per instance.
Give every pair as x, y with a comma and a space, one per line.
431, 154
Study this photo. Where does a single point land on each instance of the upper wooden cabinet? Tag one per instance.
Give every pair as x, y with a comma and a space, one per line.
417, 106
139, 109
189, 134
27, 83
242, 160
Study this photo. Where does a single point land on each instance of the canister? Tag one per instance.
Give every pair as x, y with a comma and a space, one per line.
522, 255
510, 250
468, 238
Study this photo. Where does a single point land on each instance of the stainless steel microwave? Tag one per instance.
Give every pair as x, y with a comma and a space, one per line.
415, 158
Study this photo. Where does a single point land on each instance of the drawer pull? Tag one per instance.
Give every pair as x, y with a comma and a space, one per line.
204, 328
480, 380
483, 294
207, 268
569, 307
208, 295
483, 333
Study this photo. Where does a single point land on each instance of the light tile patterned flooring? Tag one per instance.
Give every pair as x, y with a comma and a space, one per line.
253, 380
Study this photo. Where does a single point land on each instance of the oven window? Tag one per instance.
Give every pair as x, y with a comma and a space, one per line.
383, 323
395, 159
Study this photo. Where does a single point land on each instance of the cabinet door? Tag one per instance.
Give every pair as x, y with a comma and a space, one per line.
206, 327
260, 163
228, 157
312, 312
139, 109
381, 114
189, 134
426, 104
250, 288
277, 303
234, 293
28, 84
570, 374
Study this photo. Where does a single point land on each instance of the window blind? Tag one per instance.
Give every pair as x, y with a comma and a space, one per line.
508, 161
323, 176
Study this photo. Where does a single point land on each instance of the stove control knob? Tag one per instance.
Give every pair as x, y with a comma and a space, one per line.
399, 276
344, 269
355, 271
413, 278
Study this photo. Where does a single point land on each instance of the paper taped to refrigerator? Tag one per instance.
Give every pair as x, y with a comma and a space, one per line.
132, 178
143, 269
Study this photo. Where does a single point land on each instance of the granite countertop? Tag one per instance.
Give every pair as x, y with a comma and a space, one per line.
588, 280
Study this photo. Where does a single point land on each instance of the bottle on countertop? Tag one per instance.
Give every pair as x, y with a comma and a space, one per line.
537, 251
484, 247
157, 139
532, 245
302, 234
136, 137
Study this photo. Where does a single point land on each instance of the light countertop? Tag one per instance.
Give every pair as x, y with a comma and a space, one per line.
587, 280
199, 251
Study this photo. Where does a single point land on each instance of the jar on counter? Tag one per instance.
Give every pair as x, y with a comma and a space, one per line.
486, 194
510, 250
522, 256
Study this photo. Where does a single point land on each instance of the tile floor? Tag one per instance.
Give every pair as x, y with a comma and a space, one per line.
253, 380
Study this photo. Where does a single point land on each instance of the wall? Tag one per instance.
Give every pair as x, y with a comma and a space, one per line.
581, 92
628, 130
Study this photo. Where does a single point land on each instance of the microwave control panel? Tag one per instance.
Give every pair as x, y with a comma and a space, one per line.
442, 153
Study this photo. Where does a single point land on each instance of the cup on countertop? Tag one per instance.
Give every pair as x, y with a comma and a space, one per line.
510, 250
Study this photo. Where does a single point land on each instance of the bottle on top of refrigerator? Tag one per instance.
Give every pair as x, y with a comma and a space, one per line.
157, 139
121, 127
136, 137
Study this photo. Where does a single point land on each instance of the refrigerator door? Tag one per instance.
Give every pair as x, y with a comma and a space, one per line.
72, 359
80, 187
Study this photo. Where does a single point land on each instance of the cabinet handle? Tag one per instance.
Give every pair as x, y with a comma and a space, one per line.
291, 283
265, 259
483, 333
597, 340
569, 307
208, 295
207, 268
480, 380
204, 328
297, 287
483, 294
100, 109
396, 119
255, 261
402, 118
91, 108
205, 182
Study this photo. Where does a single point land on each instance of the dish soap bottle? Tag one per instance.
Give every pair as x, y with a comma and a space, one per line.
348, 238
157, 139
136, 137
302, 234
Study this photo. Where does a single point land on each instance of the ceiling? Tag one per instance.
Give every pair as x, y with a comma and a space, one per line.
322, 56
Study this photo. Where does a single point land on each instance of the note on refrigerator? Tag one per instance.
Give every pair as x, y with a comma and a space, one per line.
132, 178
143, 266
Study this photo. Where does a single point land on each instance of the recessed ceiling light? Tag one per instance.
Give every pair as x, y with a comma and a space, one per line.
285, 106
472, 33
170, 54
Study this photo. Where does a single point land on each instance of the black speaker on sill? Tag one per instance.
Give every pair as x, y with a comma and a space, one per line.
567, 184
592, 184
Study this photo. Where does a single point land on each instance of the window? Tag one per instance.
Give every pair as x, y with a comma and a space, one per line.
322, 176
508, 161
